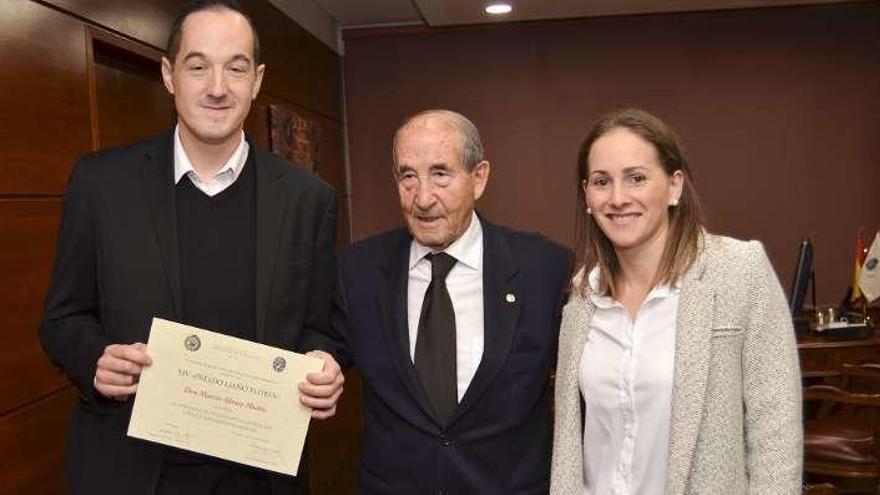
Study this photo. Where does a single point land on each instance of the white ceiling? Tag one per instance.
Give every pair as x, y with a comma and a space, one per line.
324, 18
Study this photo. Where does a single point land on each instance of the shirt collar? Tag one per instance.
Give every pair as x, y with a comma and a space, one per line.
606, 301
182, 165
467, 249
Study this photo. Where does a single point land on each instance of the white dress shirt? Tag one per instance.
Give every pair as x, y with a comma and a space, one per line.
465, 285
625, 377
224, 177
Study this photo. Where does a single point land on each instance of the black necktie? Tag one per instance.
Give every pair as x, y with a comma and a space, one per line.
435, 342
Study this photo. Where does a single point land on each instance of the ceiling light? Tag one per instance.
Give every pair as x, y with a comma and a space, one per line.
498, 8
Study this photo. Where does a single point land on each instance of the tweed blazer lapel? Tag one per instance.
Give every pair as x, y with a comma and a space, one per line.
692, 339
567, 471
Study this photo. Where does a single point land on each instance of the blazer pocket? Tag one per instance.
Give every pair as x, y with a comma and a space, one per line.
726, 331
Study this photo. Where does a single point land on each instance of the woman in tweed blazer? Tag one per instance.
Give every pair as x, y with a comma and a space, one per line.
733, 420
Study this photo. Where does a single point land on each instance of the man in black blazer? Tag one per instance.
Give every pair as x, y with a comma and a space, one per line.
196, 226
452, 323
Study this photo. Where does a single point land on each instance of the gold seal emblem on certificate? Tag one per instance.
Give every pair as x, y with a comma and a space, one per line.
192, 343
279, 364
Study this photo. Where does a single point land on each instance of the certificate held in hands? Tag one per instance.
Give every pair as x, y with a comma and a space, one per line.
226, 397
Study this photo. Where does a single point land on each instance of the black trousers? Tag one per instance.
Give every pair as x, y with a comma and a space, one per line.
212, 478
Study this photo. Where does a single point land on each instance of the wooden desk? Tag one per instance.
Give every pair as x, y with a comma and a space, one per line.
821, 358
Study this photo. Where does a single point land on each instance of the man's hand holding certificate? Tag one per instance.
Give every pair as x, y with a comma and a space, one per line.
222, 396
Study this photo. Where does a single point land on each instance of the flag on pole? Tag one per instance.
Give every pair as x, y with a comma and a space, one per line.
861, 252
869, 279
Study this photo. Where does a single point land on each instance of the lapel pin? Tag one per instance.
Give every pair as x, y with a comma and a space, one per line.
510, 297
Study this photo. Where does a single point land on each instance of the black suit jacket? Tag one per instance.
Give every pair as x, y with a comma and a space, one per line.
498, 441
117, 267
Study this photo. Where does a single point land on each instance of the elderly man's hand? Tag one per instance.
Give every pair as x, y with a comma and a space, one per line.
321, 390
119, 370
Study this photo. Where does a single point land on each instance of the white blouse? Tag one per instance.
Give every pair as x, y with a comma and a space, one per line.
625, 376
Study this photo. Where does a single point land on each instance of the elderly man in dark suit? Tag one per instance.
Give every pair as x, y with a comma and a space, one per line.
197, 226
453, 324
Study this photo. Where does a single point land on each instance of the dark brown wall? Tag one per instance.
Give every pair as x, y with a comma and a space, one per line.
778, 109
82, 75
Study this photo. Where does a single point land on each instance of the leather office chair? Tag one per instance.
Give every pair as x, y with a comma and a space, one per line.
822, 489
843, 439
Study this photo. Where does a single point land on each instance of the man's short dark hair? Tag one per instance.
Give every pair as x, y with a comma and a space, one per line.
173, 45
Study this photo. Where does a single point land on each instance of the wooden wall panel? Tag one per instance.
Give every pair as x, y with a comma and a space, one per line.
331, 156
289, 51
334, 173
44, 97
131, 100
147, 21
32, 447
335, 444
27, 244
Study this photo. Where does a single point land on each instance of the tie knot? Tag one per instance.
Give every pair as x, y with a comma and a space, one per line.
441, 263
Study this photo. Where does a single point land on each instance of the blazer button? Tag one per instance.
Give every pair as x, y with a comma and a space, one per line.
445, 441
